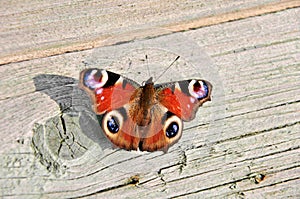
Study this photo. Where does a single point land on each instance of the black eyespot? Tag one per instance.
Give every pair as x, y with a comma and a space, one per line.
112, 125
172, 130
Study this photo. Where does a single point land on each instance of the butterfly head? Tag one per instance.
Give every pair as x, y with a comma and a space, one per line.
148, 82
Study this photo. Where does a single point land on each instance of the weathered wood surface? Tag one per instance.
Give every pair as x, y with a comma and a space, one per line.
245, 143
31, 29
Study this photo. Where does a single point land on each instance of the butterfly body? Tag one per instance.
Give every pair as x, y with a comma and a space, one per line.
142, 103
147, 117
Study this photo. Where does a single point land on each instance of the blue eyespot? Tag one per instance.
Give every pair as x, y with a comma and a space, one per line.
112, 125
200, 90
172, 130
94, 78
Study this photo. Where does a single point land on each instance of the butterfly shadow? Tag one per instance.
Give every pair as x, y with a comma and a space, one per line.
71, 133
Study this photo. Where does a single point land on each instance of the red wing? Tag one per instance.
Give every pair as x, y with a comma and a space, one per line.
156, 142
183, 98
107, 90
113, 97
164, 130
126, 137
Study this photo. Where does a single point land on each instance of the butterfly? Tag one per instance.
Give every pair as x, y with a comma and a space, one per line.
146, 117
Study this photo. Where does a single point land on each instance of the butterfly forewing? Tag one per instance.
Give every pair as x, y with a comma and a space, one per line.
183, 98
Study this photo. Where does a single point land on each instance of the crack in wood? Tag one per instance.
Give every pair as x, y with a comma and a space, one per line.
182, 160
211, 187
272, 184
133, 180
244, 113
250, 176
238, 50
257, 132
236, 181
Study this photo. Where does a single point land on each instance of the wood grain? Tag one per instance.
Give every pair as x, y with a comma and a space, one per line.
36, 30
245, 143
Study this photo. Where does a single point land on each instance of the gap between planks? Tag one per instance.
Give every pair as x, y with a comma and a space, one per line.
107, 40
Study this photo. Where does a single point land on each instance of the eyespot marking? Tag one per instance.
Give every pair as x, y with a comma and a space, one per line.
94, 78
113, 125
172, 130
198, 89
112, 122
172, 127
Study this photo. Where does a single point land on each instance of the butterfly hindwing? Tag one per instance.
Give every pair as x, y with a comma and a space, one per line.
120, 129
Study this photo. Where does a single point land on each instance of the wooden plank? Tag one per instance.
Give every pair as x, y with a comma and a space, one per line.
244, 143
35, 30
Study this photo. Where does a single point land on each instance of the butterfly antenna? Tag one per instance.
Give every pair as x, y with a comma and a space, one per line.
167, 68
146, 57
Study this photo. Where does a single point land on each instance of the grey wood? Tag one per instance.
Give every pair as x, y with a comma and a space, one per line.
244, 143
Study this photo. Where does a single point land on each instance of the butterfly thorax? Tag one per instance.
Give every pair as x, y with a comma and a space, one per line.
142, 100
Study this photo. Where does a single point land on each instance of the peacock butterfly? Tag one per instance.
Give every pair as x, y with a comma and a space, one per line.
148, 117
